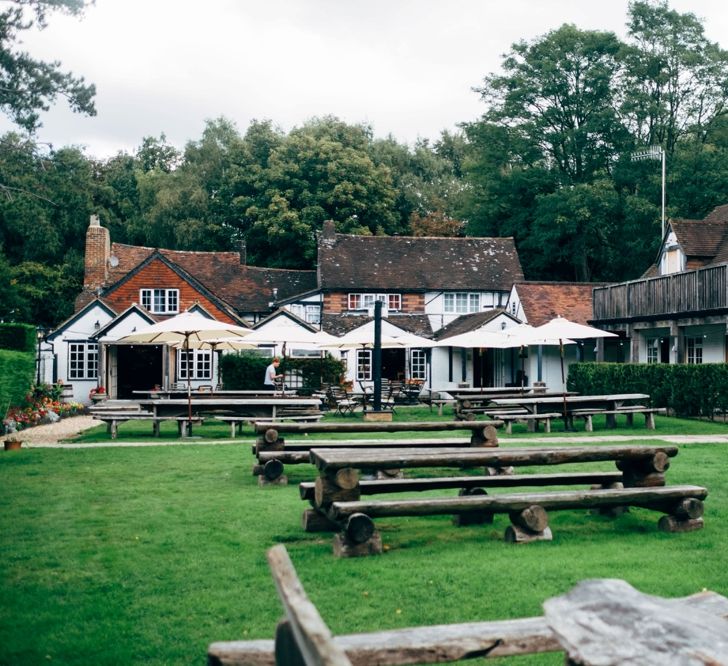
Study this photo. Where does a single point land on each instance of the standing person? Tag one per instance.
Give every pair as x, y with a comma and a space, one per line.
271, 374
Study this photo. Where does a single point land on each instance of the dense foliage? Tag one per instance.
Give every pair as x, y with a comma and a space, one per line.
16, 375
246, 370
687, 390
18, 337
549, 163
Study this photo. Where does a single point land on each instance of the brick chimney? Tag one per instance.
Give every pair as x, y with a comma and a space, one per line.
98, 250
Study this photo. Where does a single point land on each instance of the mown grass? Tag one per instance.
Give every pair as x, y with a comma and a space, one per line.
146, 555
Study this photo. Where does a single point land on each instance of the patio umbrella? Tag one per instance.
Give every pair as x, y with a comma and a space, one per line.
187, 328
566, 331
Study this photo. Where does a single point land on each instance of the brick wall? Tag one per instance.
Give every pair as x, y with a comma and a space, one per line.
98, 249
157, 275
336, 303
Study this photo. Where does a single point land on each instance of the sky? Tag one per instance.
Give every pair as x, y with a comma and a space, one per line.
405, 67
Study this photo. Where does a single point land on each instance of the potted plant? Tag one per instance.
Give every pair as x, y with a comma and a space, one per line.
97, 394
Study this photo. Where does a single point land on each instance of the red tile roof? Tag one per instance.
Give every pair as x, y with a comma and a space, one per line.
245, 288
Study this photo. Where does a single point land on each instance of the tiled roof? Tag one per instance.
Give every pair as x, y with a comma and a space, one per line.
340, 324
469, 322
704, 238
245, 288
542, 301
417, 263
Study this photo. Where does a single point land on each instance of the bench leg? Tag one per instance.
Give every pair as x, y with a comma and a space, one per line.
113, 429
233, 429
630, 419
155, 428
650, 421
611, 421
547, 425
532, 425
588, 423
439, 409
509, 427
345, 547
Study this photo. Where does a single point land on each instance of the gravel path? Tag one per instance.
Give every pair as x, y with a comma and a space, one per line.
55, 432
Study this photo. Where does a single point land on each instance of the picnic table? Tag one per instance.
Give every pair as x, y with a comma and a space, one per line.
583, 406
253, 408
338, 490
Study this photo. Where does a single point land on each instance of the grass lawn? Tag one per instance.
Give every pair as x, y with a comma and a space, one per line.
146, 555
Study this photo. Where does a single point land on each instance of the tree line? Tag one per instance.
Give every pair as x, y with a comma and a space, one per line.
549, 163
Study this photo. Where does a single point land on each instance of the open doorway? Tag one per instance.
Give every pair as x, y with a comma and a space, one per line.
139, 369
393, 364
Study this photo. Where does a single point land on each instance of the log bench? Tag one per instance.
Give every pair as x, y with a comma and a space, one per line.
532, 420
338, 490
113, 419
273, 453
629, 411
695, 624
440, 404
235, 421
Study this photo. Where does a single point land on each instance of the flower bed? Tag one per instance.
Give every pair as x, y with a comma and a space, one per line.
39, 402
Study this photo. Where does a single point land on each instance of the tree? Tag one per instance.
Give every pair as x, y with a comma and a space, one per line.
28, 86
676, 81
559, 92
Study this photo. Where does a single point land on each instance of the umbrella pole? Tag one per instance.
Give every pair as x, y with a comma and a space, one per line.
563, 385
189, 387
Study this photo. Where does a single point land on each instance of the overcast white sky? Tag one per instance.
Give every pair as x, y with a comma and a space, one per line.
407, 67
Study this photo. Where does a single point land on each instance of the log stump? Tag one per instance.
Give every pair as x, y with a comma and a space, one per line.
343, 547
531, 524
313, 521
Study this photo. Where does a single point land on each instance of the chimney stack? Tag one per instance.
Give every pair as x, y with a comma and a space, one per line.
243, 251
98, 250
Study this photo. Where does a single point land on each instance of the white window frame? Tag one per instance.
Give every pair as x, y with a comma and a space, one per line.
363, 365
418, 364
160, 301
694, 349
201, 364
83, 360
461, 302
313, 314
392, 301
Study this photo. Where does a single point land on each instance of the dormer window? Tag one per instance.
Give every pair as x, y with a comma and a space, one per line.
364, 301
160, 301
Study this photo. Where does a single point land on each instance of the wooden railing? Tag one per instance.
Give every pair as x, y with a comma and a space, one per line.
692, 291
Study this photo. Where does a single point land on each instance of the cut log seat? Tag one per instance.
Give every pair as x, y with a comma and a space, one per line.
630, 411
382, 486
528, 511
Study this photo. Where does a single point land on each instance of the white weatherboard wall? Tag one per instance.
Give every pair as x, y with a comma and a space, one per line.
435, 307
79, 331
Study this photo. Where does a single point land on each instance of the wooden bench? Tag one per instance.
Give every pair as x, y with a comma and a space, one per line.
338, 490
235, 421
531, 419
695, 625
440, 404
113, 419
629, 411
271, 447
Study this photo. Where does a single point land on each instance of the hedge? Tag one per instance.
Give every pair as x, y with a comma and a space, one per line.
17, 371
686, 389
246, 371
18, 337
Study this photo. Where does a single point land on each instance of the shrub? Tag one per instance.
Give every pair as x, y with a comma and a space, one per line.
16, 376
245, 371
688, 390
18, 337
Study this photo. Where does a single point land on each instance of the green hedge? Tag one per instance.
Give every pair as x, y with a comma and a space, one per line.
246, 370
687, 389
18, 337
17, 371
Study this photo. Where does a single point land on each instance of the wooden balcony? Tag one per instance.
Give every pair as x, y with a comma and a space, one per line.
696, 292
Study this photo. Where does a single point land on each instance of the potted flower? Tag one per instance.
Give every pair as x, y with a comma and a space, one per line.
97, 394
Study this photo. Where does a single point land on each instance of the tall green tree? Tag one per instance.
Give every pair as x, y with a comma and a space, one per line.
27, 85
